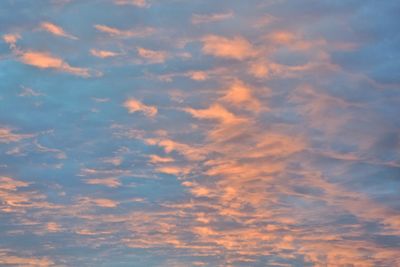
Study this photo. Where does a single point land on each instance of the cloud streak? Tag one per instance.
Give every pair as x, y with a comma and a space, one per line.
134, 105
56, 30
43, 60
208, 134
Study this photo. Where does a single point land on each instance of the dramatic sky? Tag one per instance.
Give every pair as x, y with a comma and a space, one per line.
199, 133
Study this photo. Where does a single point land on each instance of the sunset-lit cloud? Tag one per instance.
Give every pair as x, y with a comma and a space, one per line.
214, 112
207, 18
11, 39
138, 3
56, 30
240, 94
134, 105
45, 60
103, 53
199, 133
7, 135
110, 182
236, 47
140, 32
152, 56
9, 258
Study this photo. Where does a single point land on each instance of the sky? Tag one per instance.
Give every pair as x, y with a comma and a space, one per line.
199, 133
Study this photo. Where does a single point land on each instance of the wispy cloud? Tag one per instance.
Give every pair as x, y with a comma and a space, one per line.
45, 60
237, 47
134, 105
138, 3
207, 18
56, 30
152, 56
7, 135
103, 53
221, 133
214, 112
11, 39
141, 32
109, 182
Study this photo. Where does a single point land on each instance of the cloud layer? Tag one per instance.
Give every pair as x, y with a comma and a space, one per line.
199, 133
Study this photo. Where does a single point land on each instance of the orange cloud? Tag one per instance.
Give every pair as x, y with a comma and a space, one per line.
10, 184
7, 136
56, 30
236, 47
134, 105
158, 159
103, 53
151, 55
8, 259
11, 39
138, 3
53, 227
109, 182
189, 151
104, 203
259, 69
173, 170
124, 33
282, 37
197, 75
240, 94
45, 60
214, 112
198, 19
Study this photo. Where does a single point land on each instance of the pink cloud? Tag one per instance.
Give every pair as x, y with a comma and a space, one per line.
152, 56
109, 182
11, 39
103, 53
237, 47
124, 33
56, 30
214, 112
207, 18
134, 105
44, 60
7, 136
138, 3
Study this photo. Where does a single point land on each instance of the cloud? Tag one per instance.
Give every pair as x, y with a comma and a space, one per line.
10, 259
198, 75
56, 30
190, 152
11, 39
27, 92
124, 33
214, 112
53, 227
109, 182
105, 203
10, 184
138, 3
152, 56
44, 60
239, 94
207, 18
157, 159
103, 53
134, 105
236, 48
100, 202
282, 37
7, 135
254, 131
173, 170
